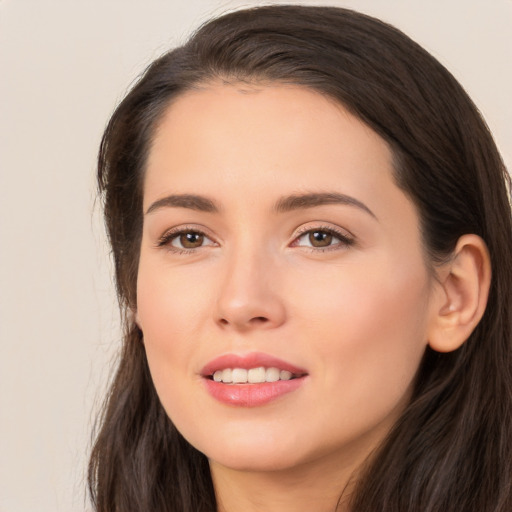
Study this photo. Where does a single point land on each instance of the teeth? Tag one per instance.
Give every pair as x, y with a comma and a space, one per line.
227, 375
285, 375
252, 376
272, 375
256, 375
239, 376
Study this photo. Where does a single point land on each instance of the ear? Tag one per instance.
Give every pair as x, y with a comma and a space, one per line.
464, 288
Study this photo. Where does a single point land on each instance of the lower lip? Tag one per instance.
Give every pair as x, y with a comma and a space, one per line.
251, 395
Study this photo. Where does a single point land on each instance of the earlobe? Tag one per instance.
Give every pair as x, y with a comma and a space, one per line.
464, 284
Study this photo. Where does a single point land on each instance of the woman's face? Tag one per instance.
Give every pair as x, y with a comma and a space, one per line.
276, 245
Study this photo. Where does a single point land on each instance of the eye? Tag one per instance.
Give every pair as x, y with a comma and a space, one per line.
323, 238
185, 240
188, 240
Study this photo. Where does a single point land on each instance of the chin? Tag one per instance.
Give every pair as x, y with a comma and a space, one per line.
251, 453
256, 461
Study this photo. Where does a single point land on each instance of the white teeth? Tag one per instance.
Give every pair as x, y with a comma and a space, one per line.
251, 376
256, 375
285, 375
227, 375
239, 376
272, 375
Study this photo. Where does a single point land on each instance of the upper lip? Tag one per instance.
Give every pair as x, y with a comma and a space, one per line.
248, 361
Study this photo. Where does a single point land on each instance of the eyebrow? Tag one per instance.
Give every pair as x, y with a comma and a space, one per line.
190, 201
285, 204
297, 202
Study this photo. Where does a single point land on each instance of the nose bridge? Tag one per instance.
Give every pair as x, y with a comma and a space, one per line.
248, 295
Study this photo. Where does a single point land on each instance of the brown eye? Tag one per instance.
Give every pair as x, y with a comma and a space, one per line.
185, 240
191, 240
323, 239
320, 238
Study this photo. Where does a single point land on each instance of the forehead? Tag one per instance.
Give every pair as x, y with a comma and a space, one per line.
237, 129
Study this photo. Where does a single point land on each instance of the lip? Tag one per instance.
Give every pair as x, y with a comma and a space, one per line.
250, 395
247, 361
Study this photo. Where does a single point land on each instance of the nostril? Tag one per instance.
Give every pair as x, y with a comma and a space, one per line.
259, 320
254, 320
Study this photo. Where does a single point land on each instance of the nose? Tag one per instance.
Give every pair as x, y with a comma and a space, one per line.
250, 296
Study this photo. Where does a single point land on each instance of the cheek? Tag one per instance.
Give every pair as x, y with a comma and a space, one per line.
354, 299
175, 310
167, 296
368, 330
170, 309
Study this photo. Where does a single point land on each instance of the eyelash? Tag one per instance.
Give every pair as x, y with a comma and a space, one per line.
344, 240
169, 236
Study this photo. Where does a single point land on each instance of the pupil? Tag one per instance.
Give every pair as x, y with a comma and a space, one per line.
320, 239
191, 240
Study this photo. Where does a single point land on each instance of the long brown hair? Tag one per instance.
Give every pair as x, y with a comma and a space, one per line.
451, 450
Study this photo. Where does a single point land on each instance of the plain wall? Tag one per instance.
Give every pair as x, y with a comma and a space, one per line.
63, 67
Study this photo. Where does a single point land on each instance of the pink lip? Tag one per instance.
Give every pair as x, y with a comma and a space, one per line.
250, 395
247, 361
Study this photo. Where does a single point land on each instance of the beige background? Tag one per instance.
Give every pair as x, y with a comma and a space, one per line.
63, 66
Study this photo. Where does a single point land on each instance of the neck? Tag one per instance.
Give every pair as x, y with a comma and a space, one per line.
319, 487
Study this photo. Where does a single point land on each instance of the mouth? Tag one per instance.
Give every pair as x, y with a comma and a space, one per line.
256, 375
251, 380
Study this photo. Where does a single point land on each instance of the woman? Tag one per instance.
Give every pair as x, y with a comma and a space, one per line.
312, 235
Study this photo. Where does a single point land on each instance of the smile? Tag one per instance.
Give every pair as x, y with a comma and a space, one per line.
252, 375
251, 380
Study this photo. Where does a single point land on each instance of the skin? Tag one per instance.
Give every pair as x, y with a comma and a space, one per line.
355, 315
